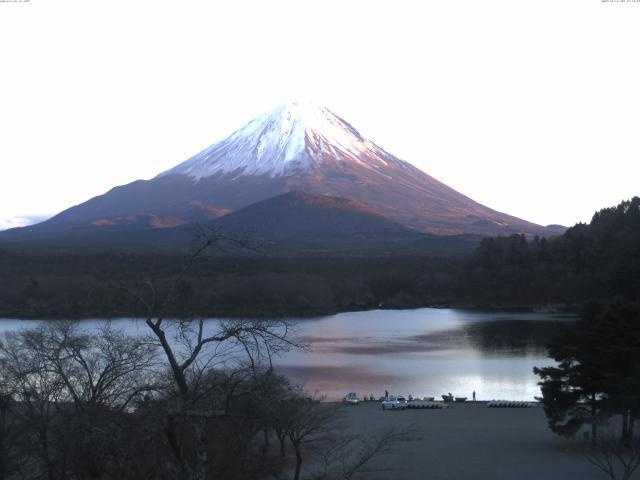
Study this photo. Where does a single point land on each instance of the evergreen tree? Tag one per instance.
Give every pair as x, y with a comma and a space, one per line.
597, 373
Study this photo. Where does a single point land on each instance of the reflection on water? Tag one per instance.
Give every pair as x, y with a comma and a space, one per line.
511, 336
423, 352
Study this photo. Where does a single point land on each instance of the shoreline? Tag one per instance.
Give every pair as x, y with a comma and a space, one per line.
262, 315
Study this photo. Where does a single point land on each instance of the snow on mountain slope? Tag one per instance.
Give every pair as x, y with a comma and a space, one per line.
291, 139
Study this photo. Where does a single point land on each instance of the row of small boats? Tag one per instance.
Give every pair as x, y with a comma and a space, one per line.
510, 404
493, 404
427, 404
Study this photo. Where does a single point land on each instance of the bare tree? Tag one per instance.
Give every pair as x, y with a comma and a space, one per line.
617, 458
11, 435
318, 429
192, 347
280, 420
106, 367
37, 394
70, 388
309, 421
346, 456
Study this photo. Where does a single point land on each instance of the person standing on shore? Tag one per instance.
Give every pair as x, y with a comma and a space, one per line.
386, 395
474, 395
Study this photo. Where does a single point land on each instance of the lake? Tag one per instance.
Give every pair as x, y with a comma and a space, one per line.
423, 352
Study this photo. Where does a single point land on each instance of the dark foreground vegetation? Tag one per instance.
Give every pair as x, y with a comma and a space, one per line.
178, 401
600, 260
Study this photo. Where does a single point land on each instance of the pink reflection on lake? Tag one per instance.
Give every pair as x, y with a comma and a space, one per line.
423, 352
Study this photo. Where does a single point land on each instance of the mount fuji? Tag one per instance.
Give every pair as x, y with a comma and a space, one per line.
297, 147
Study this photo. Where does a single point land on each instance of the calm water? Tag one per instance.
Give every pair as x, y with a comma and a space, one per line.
423, 352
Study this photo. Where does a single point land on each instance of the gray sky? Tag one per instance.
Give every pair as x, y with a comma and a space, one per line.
529, 107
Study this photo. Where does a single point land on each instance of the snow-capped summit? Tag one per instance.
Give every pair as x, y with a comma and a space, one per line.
290, 139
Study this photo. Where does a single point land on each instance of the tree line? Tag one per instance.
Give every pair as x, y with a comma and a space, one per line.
591, 261
595, 261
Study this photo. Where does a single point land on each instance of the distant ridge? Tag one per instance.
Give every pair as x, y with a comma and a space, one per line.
291, 224
300, 223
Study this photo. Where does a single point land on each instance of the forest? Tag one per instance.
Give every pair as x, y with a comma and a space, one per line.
599, 260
